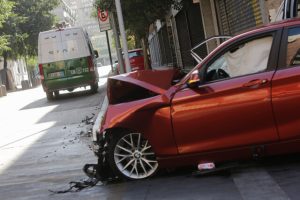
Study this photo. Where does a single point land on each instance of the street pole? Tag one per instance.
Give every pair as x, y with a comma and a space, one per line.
109, 51
104, 25
123, 35
117, 40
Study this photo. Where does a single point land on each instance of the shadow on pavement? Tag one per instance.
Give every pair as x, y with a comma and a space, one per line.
64, 98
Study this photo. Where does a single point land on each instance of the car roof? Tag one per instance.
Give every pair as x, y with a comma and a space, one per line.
258, 29
62, 29
262, 28
133, 50
285, 23
279, 24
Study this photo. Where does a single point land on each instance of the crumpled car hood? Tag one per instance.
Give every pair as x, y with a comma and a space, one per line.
139, 85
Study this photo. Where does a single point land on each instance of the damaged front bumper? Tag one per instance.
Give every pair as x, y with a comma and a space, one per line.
126, 95
102, 170
99, 143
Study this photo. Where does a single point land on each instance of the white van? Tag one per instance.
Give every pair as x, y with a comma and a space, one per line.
66, 61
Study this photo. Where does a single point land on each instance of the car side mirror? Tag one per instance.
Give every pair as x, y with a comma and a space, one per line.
194, 83
194, 80
96, 53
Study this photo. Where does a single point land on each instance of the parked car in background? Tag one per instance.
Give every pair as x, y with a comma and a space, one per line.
66, 61
239, 103
136, 59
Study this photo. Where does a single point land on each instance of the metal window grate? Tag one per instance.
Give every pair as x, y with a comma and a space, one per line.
238, 15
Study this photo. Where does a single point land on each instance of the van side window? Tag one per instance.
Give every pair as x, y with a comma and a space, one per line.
293, 47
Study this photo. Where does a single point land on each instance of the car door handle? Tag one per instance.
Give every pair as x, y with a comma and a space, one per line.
255, 83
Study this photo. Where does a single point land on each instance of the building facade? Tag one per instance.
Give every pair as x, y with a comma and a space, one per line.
65, 13
15, 74
195, 20
84, 10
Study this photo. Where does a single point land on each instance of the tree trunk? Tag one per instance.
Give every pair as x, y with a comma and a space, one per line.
5, 60
4, 74
145, 52
28, 73
137, 41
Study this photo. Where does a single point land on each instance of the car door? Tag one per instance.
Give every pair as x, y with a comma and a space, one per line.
286, 86
232, 107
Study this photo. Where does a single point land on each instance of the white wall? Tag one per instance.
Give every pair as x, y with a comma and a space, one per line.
18, 70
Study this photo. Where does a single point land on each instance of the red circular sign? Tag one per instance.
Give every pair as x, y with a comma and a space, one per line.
103, 15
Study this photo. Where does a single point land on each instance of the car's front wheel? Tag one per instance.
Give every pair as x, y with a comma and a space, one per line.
131, 156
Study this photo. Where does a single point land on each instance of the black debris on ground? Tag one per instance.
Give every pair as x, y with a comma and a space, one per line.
88, 120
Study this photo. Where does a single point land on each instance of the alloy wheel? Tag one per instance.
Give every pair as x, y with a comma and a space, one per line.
134, 157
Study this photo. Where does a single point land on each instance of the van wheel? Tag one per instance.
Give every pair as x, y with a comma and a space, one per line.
49, 95
94, 88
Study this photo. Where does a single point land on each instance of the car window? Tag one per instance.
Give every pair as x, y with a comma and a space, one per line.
293, 50
135, 54
246, 58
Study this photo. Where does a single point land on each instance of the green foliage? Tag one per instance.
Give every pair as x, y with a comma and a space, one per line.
38, 18
139, 14
4, 45
5, 12
105, 4
21, 28
31, 63
131, 41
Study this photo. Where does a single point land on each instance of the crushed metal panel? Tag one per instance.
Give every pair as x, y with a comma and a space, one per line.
139, 85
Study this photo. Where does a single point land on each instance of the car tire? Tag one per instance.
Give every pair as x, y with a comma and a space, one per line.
131, 156
49, 96
94, 88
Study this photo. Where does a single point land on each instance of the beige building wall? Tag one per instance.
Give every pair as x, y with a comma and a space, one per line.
272, 7
209, 19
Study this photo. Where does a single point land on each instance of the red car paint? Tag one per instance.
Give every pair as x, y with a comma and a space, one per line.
136, 59
218, 121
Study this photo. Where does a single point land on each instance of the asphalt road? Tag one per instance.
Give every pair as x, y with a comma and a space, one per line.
44, 146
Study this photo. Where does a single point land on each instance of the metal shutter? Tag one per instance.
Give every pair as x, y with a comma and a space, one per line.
238, 15
184, 39
190, 32
196, 28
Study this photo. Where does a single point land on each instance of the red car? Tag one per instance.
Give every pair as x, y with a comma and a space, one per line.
136, 59
242, 101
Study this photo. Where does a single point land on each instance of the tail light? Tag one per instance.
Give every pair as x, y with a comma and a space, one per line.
41, 71
91, 64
